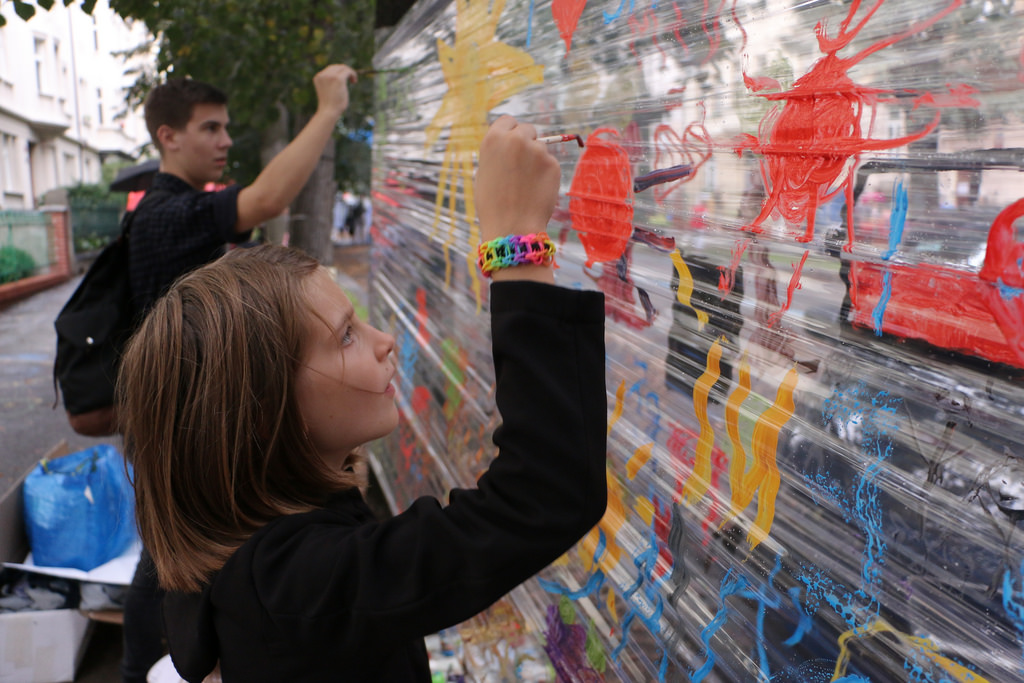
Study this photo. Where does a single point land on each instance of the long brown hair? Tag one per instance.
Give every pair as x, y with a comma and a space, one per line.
209, 416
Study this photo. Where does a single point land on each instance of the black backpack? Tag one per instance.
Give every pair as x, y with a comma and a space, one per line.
92, 329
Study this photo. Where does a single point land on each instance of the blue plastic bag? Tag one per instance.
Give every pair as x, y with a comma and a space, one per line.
80, 509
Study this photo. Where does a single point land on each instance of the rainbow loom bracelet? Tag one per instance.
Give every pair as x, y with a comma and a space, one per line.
513, 250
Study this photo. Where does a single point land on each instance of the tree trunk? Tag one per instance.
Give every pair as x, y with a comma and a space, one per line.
312, 211
272, 140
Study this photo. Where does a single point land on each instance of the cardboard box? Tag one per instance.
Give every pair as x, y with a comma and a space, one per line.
43, 646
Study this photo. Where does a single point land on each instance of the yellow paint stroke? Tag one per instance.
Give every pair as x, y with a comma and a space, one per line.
611, 524
960, 672
697, 483
638, 460
481, 72
925, 646
612, 608
685, 291
738, 464
645, 508
620, 397
764, 443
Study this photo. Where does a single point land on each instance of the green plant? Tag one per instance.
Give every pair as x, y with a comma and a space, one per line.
88, 195
15, 264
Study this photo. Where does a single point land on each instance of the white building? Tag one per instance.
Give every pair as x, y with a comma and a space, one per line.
62, 99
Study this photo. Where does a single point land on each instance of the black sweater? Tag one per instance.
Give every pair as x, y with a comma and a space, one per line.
334, 594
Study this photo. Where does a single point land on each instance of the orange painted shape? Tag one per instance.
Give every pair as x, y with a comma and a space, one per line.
611, 524
566, 14
601, 197
685, 291
639, 459
738, 464
697, 483
764, 443
620, 395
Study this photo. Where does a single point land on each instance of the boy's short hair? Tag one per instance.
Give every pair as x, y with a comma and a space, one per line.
171, 104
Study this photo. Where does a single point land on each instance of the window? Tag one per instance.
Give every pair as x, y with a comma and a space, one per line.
40, 59
10, 167
4, 70
99, 106
70, 170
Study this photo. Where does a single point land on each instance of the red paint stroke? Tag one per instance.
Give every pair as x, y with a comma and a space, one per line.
810, 145
620, 294
675, 91
601, 197
727, 275
950, 308
680, 446
676, 26
566, 14
794, 284
422, 333
712, 26
1004, 263
956, 96
649, 26
692, 148
420, 400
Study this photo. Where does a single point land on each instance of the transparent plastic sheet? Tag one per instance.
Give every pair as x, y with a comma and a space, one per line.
815, 353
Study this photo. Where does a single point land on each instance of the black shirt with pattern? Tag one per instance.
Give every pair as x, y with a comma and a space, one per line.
177, 231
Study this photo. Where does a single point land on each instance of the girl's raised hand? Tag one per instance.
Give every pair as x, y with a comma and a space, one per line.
516, 181
516, 188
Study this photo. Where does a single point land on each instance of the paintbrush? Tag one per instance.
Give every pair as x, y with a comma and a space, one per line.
552, 139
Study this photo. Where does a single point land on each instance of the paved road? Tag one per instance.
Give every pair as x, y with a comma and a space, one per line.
29, 425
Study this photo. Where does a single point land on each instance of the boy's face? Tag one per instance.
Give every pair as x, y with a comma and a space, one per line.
343, 385
198, 154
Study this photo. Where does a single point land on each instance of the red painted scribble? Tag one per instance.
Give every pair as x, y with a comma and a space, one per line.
566, 14
601, 197
422, 333
951, 308
794, 284
808, 143
408, 443
1004, 265
693, 148
681, 446
649, 26
710, 25
620, 294
811, 143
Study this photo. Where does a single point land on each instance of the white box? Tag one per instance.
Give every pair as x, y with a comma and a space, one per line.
43, 646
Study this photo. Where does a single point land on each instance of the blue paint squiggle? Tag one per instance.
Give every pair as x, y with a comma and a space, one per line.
1013, 601
730, 586
610, 17
897, 221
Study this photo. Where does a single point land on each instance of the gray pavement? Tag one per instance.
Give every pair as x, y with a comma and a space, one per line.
29, 424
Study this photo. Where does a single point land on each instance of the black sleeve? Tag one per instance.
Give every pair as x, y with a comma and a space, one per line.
432, 566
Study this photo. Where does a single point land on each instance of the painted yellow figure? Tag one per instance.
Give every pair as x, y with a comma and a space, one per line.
481, 72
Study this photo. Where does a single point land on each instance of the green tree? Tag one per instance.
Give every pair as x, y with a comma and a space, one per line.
27, 10
264, 54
